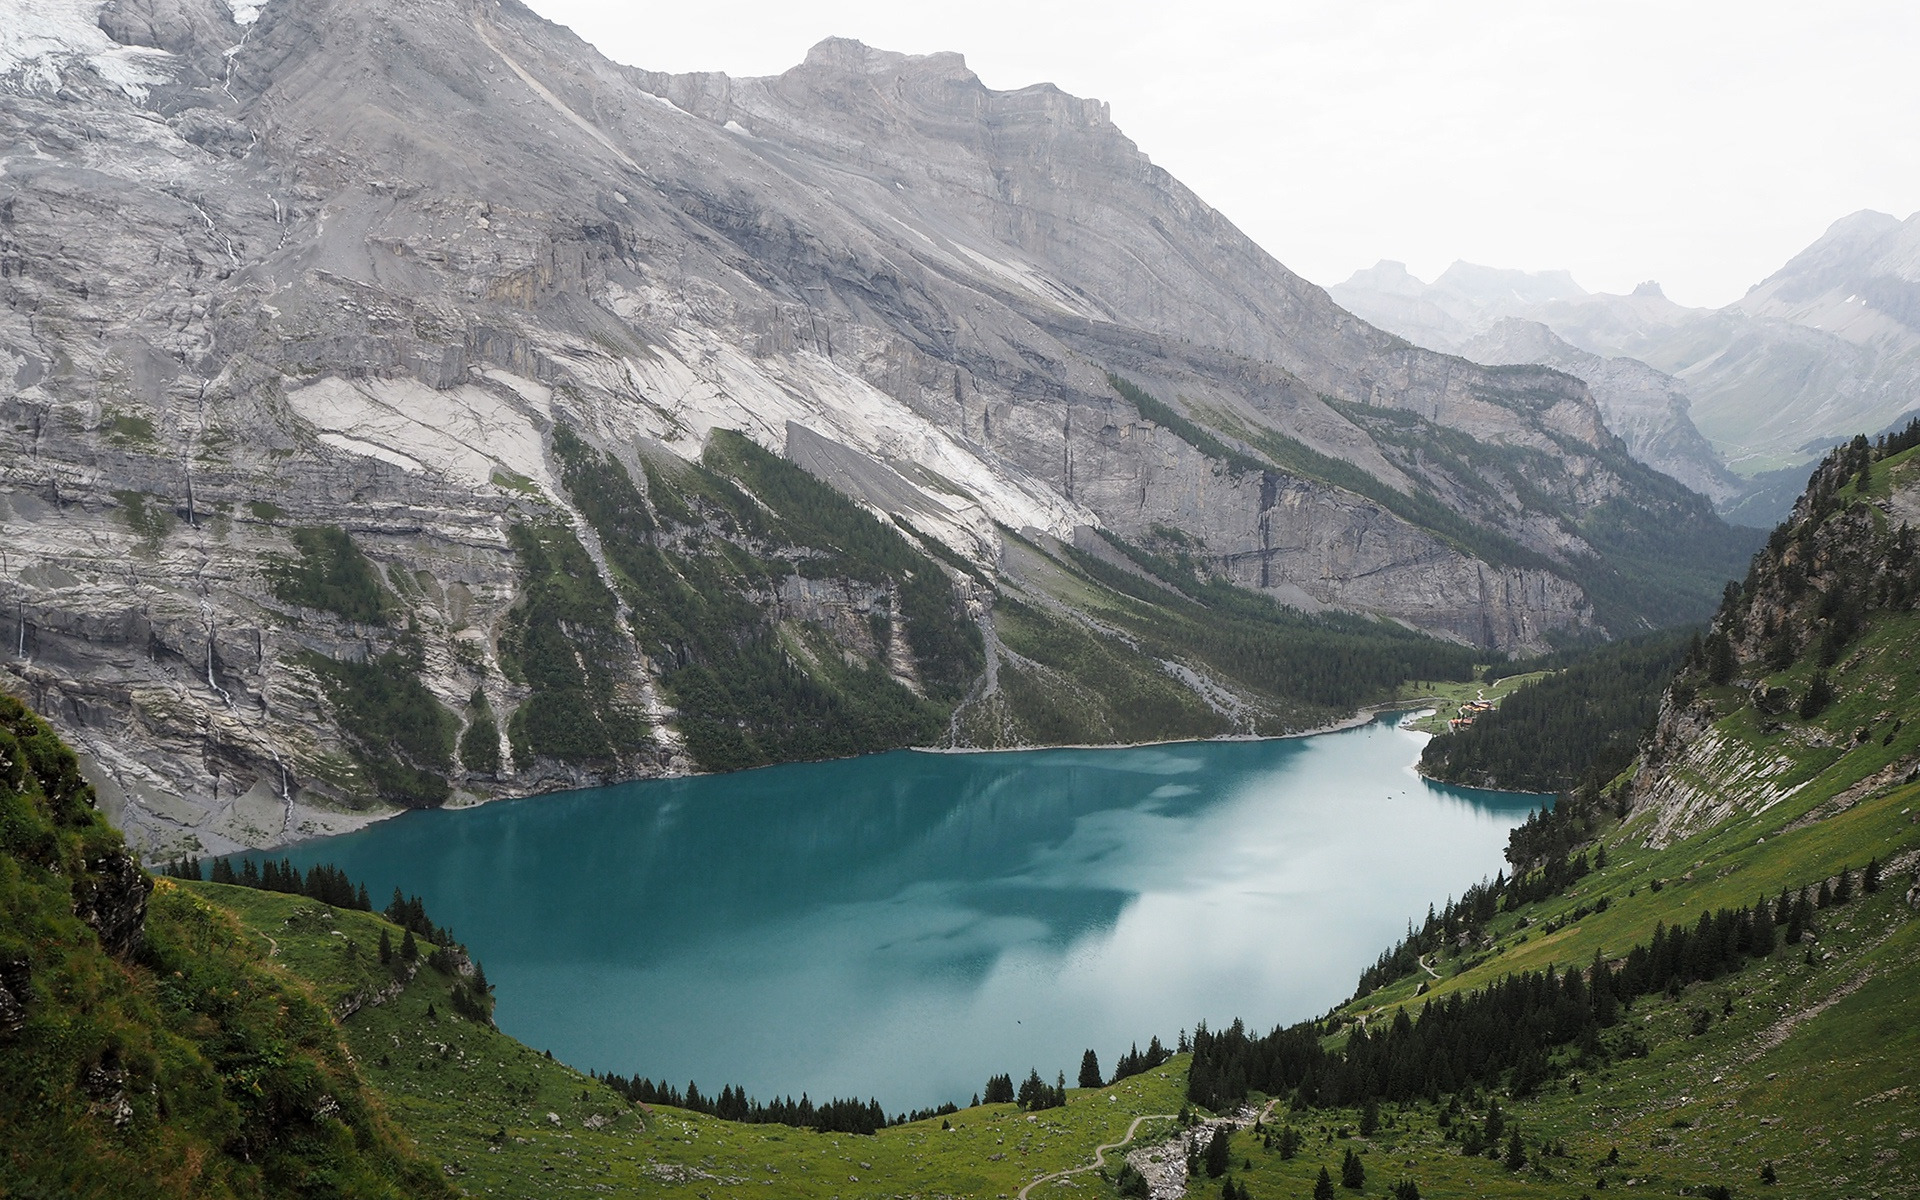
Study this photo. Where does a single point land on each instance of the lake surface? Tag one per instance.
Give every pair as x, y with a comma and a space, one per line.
905, 924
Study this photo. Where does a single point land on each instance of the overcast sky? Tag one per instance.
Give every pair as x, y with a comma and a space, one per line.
1699, 144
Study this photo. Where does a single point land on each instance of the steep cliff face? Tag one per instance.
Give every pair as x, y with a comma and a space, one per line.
1648, 409
284, 273
1807, 671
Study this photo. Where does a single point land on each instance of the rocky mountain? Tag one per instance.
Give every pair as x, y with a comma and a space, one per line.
1824, 348
405, 405
1647, 408
1825, 613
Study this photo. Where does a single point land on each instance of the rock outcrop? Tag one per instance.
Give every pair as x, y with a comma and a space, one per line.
1846, 553
1647, 408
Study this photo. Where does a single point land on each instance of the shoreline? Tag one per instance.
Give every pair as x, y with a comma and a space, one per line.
355, 820
1365, 716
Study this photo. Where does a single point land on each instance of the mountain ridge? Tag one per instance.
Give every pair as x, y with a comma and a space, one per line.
1819, 350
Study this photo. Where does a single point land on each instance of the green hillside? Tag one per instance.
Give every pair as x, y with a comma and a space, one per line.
149, 1045
502, 1119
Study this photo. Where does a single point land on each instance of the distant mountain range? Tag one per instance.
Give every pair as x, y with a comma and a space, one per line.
1826, 347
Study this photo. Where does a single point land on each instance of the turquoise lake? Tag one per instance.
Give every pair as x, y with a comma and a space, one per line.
904, 925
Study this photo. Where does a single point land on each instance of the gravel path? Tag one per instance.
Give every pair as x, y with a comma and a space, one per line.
1099, 1154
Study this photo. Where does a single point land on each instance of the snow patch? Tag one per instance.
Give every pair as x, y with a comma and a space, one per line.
736, 127
245, 12
41, 39
466, 433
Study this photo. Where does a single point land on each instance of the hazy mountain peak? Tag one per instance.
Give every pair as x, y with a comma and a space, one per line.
1650, 287
848, 55
1867, 223
1500, 287
1389, 276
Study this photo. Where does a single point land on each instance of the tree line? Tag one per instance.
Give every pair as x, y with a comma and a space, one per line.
1582, 724
1463, 921
733, 1104
323, 881
1509, 1031
328, 884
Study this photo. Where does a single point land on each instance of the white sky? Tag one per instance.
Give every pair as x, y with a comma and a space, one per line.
1698, 143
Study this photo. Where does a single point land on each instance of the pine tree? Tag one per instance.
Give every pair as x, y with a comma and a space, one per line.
409, 949
1720, 660
1763, 935
1870, 878
1219, 1151
1819, 696
1353, 1173
1370, 1118
1800, 919
1290, 1142
1844, 892
1323, 1186
1089, 1070
1516, 1152
386, 947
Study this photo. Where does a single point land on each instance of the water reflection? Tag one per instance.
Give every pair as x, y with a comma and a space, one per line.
904, 924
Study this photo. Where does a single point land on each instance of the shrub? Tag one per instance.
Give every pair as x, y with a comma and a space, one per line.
330, 574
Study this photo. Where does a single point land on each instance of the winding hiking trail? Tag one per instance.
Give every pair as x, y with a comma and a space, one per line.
1422, 960
1100, 1152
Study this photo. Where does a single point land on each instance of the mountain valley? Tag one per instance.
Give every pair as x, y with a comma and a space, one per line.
439, 305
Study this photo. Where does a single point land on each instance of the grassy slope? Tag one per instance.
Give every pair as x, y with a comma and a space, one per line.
189, 1067
1446, 696
1808, 1069
478, 1102
1823, 1095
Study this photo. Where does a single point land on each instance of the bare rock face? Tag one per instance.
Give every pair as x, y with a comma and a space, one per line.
1820, 575
112, 898
346, 264
16, 992
1648, 409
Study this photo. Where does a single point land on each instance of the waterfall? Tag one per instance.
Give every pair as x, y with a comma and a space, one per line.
225, 695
